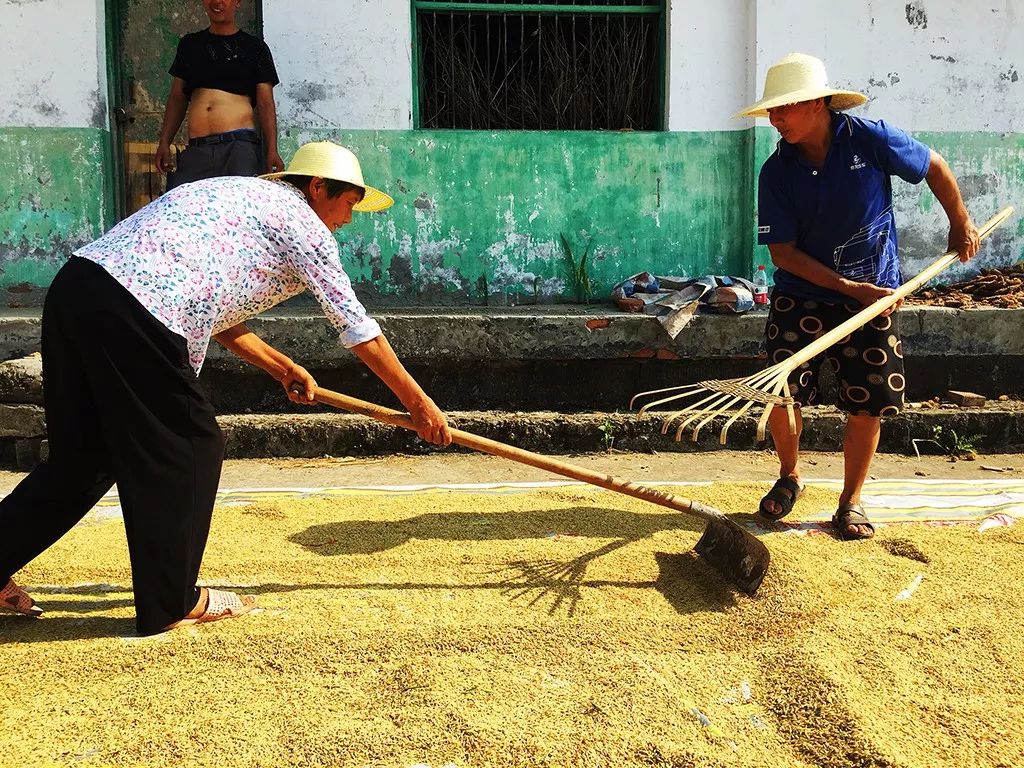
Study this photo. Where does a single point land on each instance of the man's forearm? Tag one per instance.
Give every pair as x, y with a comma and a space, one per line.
942, 183
267, 113
268, 131
790, 258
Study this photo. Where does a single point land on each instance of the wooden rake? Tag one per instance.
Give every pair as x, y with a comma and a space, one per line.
730, 549
734, 397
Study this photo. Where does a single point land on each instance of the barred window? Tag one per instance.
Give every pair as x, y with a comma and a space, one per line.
539, 64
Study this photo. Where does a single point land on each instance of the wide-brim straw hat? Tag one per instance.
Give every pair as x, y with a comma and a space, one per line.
795, 78
333, 161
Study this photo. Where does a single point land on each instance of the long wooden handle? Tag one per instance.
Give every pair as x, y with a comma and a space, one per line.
872, 311
493, 447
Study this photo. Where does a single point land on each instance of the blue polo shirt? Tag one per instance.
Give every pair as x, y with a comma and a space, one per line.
842, 214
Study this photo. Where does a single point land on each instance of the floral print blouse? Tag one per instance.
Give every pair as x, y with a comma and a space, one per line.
214, 253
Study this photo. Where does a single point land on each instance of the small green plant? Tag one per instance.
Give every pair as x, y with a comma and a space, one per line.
608, 430
950, 443
577, 270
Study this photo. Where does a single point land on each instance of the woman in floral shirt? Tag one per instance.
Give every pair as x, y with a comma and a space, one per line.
126, 326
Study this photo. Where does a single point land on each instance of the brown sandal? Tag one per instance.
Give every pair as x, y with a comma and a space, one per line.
217, 604
851, 513
785, 493
14, 599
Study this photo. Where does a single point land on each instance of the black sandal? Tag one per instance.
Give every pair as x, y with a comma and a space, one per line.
779, 496
851, 513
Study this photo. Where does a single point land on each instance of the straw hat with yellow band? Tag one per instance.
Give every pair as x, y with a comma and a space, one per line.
795, 78
333, 161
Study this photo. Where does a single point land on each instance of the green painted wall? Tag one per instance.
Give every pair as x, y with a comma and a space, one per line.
482, 213
54, 197
479, 215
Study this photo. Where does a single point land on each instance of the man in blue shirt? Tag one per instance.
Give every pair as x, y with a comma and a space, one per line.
825, 212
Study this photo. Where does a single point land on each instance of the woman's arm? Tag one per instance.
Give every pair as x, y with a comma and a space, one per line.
251, 348
377, 354
380, 358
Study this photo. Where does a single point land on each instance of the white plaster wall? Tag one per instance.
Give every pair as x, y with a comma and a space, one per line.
53, 60
709, 63
342, 63
927, 65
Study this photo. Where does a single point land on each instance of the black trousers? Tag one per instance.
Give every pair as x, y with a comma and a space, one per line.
122, 406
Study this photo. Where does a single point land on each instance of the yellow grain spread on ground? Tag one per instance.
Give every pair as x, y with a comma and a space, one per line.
568, 627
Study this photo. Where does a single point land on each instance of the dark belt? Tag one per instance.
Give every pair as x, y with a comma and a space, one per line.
242, 134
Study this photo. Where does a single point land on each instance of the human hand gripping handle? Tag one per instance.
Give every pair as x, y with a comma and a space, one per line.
964, 239
426, 418
964, 243
431, 424
867, 294
300, 385
887, 301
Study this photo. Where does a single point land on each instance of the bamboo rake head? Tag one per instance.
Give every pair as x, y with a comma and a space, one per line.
726, 397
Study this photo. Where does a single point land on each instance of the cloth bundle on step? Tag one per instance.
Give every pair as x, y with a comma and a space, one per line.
674, 300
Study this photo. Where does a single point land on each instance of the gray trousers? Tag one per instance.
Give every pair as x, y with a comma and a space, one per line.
235, 153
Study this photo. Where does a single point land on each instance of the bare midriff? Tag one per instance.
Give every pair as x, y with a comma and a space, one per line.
214, 111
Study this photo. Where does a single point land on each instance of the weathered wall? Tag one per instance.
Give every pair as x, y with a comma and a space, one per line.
468, 225
481, 213
54, 65
919, 62
342, 64
929, 65
492, 206
709, 68
52, 200
53, 135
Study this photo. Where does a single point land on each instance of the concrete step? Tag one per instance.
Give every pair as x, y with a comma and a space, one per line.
990, 430
544, 377
574, 358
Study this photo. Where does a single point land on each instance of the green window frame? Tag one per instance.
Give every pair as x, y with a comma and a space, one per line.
539, 64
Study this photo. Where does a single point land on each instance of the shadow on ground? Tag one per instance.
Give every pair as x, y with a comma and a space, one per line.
364, 537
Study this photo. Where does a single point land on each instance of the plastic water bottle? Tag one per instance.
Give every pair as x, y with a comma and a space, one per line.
761, 287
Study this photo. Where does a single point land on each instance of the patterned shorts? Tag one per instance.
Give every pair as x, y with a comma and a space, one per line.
868, 363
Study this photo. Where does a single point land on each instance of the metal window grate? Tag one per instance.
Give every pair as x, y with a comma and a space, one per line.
539, 64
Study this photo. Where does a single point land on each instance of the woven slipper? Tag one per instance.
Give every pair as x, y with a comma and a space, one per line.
220, 604
14, 599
